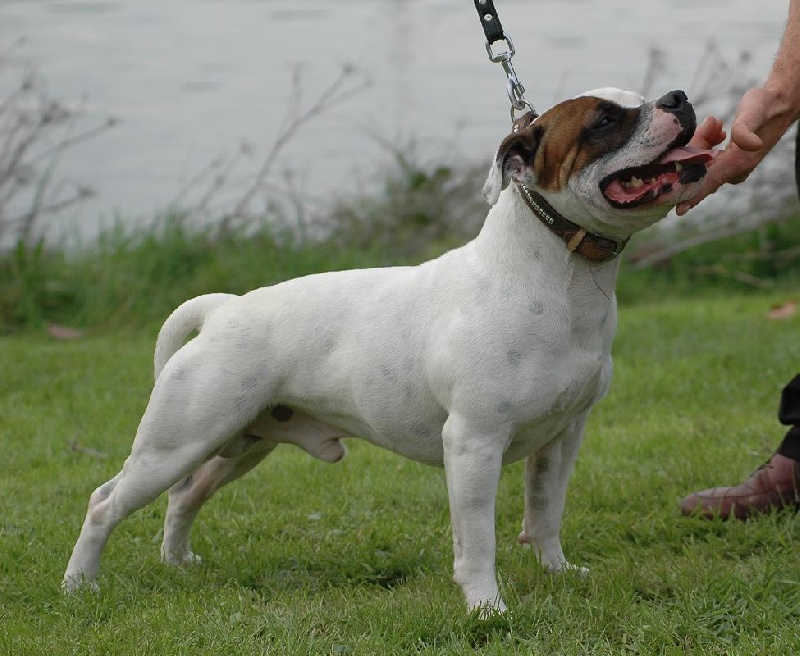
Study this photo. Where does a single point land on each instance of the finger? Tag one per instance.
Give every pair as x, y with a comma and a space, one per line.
750, 118
708, 134
715, 133
745, 138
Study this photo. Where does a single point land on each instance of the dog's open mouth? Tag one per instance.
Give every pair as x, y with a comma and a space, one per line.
640, 185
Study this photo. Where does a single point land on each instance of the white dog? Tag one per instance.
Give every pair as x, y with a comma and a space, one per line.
493, 352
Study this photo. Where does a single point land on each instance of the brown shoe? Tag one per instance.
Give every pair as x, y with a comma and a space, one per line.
773, 486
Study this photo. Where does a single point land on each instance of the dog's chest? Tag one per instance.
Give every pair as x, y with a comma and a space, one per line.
562, 396
560, 383
556, 375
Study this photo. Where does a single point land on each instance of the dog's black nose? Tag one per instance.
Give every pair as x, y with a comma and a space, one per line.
674, 102
677, 104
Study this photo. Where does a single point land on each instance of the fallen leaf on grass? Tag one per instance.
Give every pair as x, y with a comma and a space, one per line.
782, 311
63, 333
74, 446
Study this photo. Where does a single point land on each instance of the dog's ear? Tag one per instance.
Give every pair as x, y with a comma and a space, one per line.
514, 160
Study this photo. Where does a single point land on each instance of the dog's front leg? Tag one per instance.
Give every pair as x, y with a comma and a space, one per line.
547, 473
472, 461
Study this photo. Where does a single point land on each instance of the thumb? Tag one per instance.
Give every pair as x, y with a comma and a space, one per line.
744, 136
749, 120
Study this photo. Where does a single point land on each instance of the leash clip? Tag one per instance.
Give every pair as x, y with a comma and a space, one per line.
514, 88
494, 32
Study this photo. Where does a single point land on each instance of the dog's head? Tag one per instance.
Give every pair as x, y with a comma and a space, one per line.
607, 159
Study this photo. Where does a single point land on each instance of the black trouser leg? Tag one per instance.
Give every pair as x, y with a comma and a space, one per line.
789, 415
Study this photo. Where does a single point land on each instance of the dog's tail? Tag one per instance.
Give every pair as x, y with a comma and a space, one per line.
187, 317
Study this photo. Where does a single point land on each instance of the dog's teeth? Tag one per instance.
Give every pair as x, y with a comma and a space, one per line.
635, 182
678, 167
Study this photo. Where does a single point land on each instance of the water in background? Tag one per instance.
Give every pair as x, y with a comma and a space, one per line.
190, 80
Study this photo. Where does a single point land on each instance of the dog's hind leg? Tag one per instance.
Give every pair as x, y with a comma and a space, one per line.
179, 431
279, 424
547, 473
145, 474
188, 495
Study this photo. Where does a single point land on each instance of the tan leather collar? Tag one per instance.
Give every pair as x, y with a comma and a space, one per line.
593, 247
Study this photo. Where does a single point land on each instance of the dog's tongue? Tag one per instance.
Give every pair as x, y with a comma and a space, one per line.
686, 153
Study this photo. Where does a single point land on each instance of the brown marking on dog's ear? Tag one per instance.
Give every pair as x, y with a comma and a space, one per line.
604, 127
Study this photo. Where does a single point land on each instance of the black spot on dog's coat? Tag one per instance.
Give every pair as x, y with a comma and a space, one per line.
281, 413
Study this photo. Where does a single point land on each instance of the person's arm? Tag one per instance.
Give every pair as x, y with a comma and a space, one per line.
762, 118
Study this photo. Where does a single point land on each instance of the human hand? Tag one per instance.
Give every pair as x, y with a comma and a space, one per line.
760, 122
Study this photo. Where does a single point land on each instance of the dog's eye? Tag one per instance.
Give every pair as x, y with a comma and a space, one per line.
602, 122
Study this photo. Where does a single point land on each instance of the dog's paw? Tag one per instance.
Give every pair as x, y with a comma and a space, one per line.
552, 560
73, 584
565, 567
487, 609
185, 559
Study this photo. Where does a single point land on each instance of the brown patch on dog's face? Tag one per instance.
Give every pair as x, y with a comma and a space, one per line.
605, 127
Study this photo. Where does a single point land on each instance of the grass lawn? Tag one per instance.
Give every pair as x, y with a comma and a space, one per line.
301, 557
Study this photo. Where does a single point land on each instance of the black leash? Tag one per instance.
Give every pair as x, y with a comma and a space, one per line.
494, 32
492, 27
